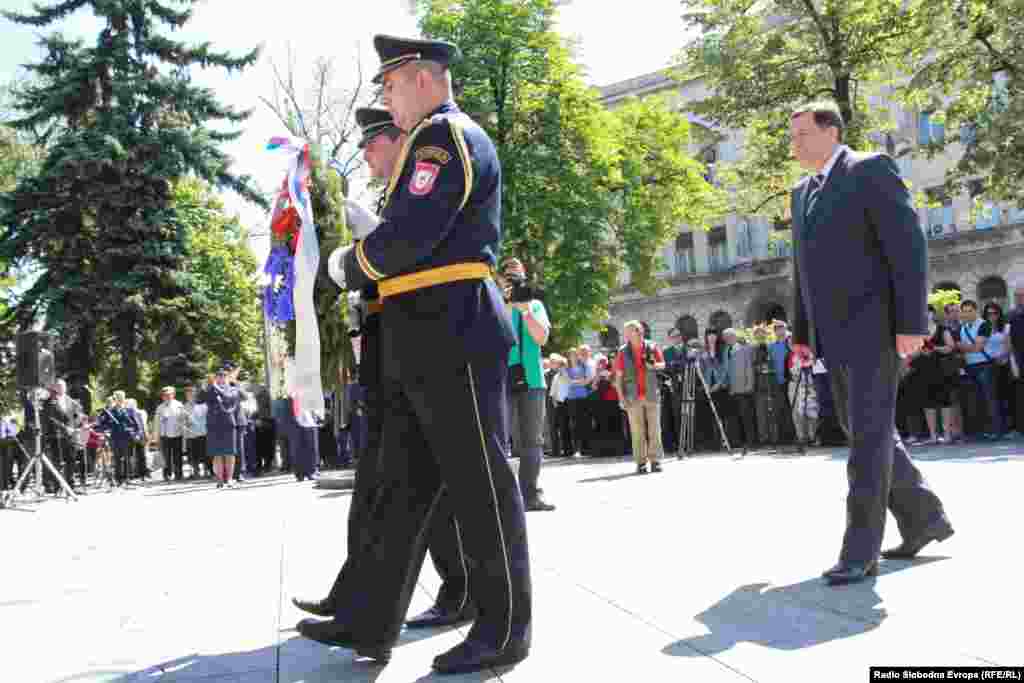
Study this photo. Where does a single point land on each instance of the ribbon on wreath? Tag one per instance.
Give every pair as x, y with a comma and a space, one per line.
305, 386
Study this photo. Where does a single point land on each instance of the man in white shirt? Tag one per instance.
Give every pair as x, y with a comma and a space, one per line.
170, 423
195, 434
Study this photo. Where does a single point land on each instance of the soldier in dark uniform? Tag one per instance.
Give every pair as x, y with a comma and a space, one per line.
382, 141
59, 419
446, 337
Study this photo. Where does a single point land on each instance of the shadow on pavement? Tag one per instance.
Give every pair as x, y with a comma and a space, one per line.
792, 617
295, 659
613, 477
982, 452
338, 494
208, 485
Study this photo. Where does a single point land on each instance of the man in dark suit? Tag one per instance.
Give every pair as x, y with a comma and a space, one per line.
59, 418
860, 270
446, 336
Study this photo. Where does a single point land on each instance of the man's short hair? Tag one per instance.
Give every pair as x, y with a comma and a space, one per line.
826, 115
636, 325
969, 302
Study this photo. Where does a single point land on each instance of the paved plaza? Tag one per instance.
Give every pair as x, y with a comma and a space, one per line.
708, 572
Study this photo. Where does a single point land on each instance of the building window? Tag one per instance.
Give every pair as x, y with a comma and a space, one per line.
930, 130
687, 326
940, 217
720, 320
904, 165
992, 289
1016, 214
710, 158
718, 253
686, 262
780, 244
744, 238
987, 214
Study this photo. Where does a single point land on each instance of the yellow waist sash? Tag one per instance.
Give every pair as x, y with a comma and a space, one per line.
401, 284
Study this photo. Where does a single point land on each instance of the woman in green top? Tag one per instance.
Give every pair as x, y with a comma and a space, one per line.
526, 383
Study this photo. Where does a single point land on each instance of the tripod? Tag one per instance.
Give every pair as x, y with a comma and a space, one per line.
35, 464
688, 405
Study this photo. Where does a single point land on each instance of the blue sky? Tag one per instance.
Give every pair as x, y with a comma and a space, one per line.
617, 41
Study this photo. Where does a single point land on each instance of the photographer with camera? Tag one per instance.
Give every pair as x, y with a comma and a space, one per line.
526, 385
636, 379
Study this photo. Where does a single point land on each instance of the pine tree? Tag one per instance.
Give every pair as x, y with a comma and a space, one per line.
122, 120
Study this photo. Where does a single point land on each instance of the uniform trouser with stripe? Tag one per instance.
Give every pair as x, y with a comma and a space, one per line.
445, 432
444, 541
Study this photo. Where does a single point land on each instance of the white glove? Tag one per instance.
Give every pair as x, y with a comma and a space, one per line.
361, 221
336, 265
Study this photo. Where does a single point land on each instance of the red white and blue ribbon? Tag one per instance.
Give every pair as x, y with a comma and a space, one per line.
304, 381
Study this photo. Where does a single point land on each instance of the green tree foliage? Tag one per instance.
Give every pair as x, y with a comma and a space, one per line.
122, 122
760, 60
970, 73
587, 193
223, 308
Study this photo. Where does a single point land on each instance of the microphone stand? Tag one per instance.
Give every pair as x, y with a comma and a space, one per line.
35, 464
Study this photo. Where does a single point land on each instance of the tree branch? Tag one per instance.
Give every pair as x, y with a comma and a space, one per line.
1000, 59
773, 197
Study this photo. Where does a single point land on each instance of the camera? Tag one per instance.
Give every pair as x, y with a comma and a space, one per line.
517, 291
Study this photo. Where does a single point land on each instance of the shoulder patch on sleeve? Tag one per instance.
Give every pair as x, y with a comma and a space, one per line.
433, 153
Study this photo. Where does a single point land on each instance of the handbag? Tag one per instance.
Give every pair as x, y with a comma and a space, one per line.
517, 373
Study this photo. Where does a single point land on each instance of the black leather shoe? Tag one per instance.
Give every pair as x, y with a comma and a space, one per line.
333, 633
470, 655
539, 504
641, 469
321, 608
440, 616
655, 467
909, 548
850, 572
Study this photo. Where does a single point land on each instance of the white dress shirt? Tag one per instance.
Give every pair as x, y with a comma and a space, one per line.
170, 419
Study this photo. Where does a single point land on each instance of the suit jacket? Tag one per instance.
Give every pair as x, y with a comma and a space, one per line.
860, 262
58, 419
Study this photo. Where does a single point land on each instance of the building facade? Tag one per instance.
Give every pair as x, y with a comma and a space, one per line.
740, 272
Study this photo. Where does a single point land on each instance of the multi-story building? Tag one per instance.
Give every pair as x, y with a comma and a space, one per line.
739, 273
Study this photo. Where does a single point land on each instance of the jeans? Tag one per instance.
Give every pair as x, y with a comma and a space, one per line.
984, 379
526, 426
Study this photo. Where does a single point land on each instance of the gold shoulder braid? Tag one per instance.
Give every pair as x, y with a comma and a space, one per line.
396, 172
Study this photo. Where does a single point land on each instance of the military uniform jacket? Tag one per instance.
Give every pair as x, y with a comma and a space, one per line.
442, 206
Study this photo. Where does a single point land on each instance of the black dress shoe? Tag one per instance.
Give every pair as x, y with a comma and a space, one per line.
655, 467
321, 608
539, 504
470, 655
442, 616
641, 469
333, 633
850, 572
909, 548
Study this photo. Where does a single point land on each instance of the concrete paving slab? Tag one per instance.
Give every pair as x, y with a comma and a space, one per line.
707, 572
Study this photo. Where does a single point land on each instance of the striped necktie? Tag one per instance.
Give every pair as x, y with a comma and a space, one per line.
816, 184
